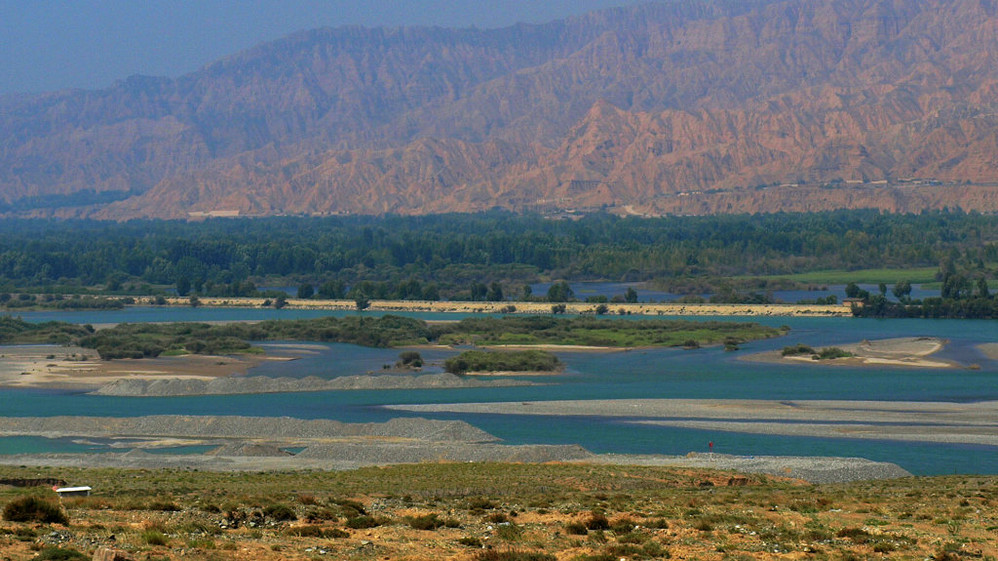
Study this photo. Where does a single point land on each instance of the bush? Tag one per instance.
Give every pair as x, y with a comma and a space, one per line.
502, 361
280, 513
164, 505
798, 349
409, 359
495, 555
425, 522
362, 521
33, 509
576, 529
60, 554
833, 352
317, 532
597, 521
154, 537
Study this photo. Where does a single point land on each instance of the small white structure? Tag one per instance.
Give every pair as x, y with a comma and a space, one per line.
72, 491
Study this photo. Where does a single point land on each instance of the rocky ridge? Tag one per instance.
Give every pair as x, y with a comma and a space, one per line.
669, 107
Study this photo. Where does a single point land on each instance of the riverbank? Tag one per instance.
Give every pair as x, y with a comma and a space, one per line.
507, 307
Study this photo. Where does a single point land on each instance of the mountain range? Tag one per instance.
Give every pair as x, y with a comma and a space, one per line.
678, 106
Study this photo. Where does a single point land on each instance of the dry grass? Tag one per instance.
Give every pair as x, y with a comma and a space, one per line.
503, 511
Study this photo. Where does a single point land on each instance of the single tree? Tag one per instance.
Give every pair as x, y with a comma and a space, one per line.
631, 296
495, 292
183, 286
560, 291
526, 293
902, 290
982, 288
305, 291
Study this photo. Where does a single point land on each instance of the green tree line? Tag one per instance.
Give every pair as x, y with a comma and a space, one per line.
464, 256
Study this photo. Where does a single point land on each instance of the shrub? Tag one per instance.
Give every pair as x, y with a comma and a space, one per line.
424, 522
317, 532
60, 554
362, 521
350, 508
410, 359
154, 537
470, 542
165, 505
623, 525
494, 555
657, 523
509, 532
798, 349
576, 529
480, 503
280, 513
833, 352
33, 509
597, 521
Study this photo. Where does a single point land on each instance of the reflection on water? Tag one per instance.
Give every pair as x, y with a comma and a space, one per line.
708, 373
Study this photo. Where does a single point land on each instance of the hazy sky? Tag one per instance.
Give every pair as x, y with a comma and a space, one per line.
55, 44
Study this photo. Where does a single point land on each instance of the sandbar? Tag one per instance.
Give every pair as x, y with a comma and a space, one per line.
62, 367
942, 422
639, 308
898, 351
990, 350
259, 443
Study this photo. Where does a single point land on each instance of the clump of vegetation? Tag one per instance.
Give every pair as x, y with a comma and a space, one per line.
16, 330
33, 509
424, 522
597, 521
510, 555
826, 353
154, 537
797, 350
409, 359
52, 553
829, 353
595, 331
470, 541
317, 532
363, 521
280, 513
502, 361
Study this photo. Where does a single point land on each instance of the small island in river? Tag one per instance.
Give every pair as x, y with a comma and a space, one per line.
898, 351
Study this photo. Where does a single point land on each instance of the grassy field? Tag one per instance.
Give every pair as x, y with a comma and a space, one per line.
864, 276
511, 512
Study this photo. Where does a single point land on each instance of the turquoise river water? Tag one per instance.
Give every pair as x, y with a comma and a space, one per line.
708, 373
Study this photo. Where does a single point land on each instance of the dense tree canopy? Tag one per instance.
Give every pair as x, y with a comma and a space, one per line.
423, 257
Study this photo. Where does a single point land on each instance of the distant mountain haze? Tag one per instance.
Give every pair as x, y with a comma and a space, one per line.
687, 107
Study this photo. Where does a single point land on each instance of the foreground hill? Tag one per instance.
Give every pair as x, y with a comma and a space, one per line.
677, 106
496, 512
